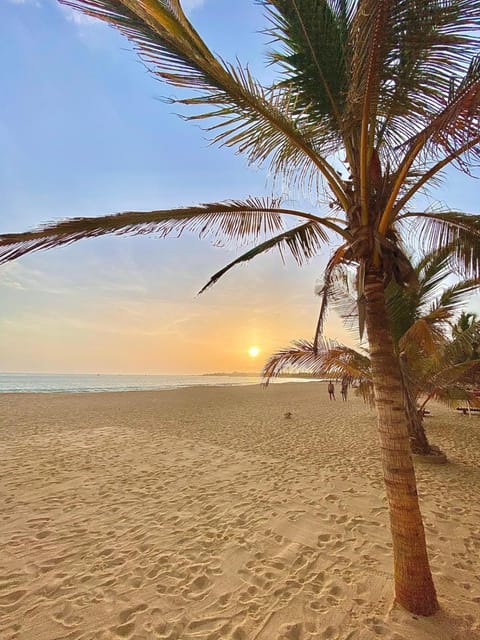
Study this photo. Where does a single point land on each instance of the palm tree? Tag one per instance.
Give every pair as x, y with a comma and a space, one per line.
444, 375
375, 99
420, 321
464, 322
464, 327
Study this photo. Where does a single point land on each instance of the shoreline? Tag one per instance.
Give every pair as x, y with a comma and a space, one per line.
85, 383
190, 386
204, 513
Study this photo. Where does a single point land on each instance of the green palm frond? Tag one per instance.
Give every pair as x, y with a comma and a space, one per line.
431, 300
432, 269
464, 323
402, 308
315, 53
465, 343
228, 221
456, 295
420, 315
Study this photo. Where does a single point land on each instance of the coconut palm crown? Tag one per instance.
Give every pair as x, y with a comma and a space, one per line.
374, 98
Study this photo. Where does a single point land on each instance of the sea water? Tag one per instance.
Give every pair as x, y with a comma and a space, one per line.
84, 383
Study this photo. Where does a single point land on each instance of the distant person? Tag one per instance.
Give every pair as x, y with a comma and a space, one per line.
331, 391
344, 389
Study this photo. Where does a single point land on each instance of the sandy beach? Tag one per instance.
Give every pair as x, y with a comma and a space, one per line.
204, 513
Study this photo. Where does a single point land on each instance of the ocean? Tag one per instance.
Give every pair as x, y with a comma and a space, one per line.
88, 383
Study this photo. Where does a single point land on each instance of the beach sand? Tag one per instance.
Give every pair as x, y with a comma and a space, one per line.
204, 513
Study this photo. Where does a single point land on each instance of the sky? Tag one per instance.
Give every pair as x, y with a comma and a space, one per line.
84, 131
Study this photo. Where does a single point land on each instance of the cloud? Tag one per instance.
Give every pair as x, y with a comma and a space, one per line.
78, 18
18, 276
35, 3
190, 5
81, 20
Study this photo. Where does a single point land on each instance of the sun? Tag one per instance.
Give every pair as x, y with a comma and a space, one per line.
253, 352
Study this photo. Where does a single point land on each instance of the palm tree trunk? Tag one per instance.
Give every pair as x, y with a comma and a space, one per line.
418, 438
414, 588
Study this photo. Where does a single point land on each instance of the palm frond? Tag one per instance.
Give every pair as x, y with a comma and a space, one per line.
343, 299
331, 360
432, 43
424, 337
452, 383
302, 242
464, 322
457, 230
255, 120
334, 271
429, 173
234, 220
465, 344
315, 55
447, 119
456, 295
458, 121
274, 138
370, 28
328, 359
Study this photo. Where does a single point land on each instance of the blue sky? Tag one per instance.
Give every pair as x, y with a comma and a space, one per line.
83, 131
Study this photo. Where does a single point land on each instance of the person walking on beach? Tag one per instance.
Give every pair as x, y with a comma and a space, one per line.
331, 391
344, 389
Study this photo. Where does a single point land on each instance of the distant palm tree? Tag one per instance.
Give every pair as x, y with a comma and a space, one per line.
464, 322
463, 328
445, 375
420, 320
376, 97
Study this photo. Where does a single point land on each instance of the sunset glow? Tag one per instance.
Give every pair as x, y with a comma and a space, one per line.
130, 304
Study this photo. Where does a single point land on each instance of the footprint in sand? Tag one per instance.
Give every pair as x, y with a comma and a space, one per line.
131, 612
322, 539
331, 498
328, 633
124, 630
198, 587
67, 617
239, 634
292, 631
224, 599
